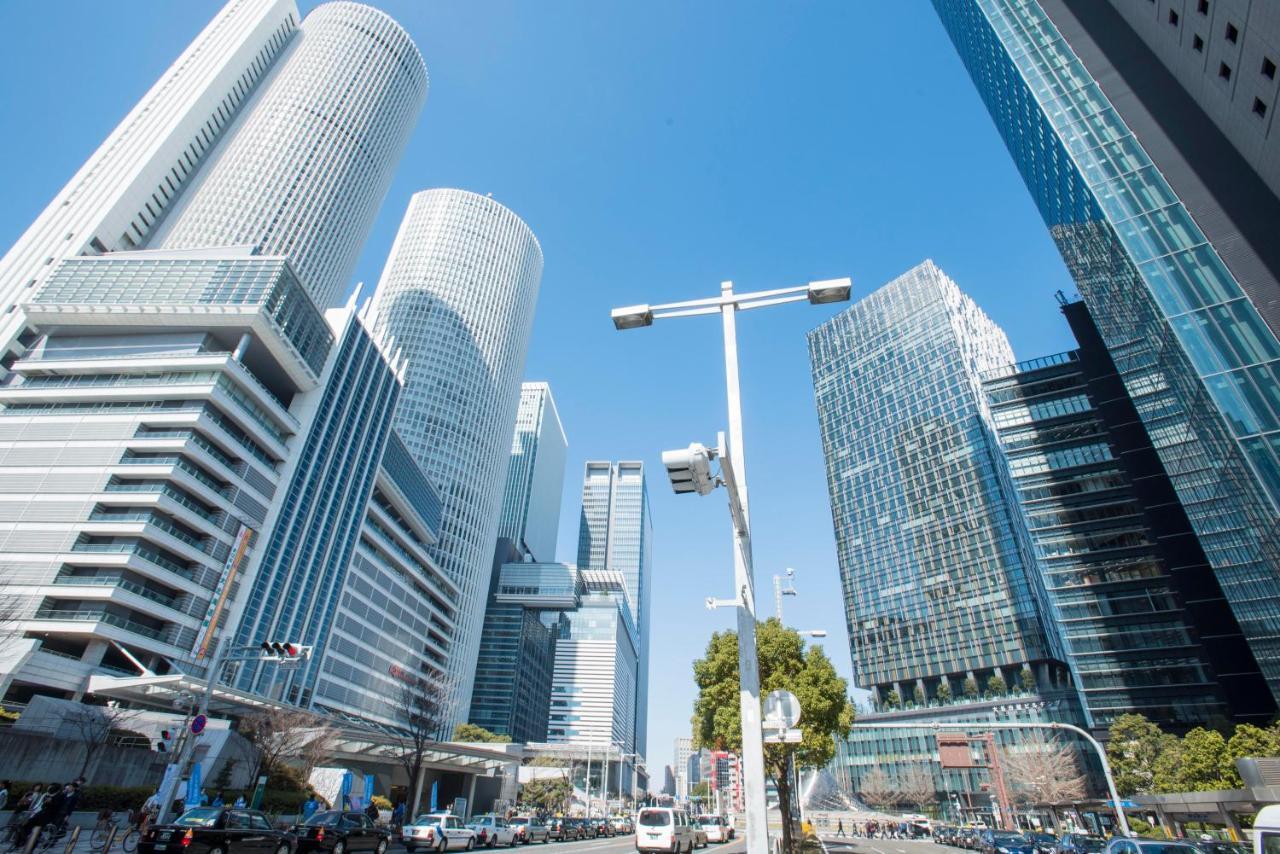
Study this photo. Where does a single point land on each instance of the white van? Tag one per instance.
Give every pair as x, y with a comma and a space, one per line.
1266, 830
664, 829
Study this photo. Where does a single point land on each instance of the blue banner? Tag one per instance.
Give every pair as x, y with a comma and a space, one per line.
368, 788
434, 793
193, 787
344, 793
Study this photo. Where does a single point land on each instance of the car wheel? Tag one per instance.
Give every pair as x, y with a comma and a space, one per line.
339, 847
284, 849
381, 849
471, 843
217, 850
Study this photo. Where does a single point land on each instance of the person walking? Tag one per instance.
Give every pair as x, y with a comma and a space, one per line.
839, 824
372, 811
397, 814
239, 804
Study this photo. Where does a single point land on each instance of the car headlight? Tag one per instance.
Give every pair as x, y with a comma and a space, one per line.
1003, 850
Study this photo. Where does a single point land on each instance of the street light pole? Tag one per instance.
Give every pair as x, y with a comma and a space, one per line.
734, 472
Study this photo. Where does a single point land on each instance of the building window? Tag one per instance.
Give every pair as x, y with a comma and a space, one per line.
1224, 71
1173, 17
1268, 68
1233, 35
1259, 108
1203, 7
1198, 44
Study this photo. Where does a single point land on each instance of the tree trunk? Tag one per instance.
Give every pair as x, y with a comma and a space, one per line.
417, 793
782, 782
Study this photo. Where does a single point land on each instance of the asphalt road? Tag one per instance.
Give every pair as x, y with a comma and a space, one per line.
615, 845
847, 845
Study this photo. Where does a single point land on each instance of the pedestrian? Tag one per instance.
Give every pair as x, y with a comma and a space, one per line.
50, 808
217, 799
239, 804
4, 793
372, 810
397, 814
840, 827
72, 798
310, 806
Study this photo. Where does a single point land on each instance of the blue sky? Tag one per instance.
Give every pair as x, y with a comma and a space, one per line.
655, 149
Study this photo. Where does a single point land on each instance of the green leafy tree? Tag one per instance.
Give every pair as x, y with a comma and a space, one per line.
1247, 741
1132, 749
1200, 765
549, 793
944, 691
893, 700
700, 790
785, 664
473, 734
920, 696
996, 686
1165, 766
970, 687
1027, 680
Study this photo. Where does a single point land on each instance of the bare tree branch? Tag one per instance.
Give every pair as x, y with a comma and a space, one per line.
93, 727
879, 791
279, 735
1044, 772
422, 706
918, 787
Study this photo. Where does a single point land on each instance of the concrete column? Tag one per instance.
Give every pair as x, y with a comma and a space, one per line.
471, 796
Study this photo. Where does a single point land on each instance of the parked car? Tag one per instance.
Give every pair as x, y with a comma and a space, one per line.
622, 824
1080, 843
601, 827
560, 829
217, 830
1044, 842
699, 835
529, 829
339, 832
492, 830
969, 838
437, 832
1120, 845
664, 829
1004, 842
1220, 846
715, 827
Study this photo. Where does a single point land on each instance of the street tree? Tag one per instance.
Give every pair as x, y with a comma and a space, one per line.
879, 791
421, 705
548, 793
93, 727
1248, 741
700, 790
281, 736
1044, 772
918, 788
1132, 750
785, 664
1199, 764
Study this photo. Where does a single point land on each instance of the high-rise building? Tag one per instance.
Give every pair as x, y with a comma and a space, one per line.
616, 533
1143, 623
524, 617
535, 476
458, 294
593, 689
117, 197
668, 781
1167, 230
304, 168
932, 559
683, 750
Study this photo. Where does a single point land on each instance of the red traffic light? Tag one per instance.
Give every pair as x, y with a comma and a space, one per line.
282, 648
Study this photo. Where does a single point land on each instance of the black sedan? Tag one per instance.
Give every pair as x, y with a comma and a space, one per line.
217, 830
341, 832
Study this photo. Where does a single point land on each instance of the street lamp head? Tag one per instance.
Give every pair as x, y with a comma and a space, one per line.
829, 290
814, 633
632, 317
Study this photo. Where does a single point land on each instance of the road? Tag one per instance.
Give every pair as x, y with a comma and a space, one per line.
625, 844
847, 845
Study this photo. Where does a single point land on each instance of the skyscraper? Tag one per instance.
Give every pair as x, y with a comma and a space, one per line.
535, 475
115, 200
616, 533
683, 750
932, 565
1167, 231
304, 168
458, 295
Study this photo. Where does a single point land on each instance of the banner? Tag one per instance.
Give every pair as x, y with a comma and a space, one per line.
220, 592
192, 799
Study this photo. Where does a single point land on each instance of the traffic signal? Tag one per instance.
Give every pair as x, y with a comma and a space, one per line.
165, 744
285, 650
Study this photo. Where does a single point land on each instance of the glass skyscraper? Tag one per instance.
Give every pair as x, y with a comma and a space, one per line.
458, 293
933, 563
616, 533
1178, 311
535, 475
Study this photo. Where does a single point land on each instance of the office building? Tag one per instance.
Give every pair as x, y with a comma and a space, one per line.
683, 750
304, 168
1143, 623
525, 615
115, 200
933, 563
725, 782
535, 475
616, 533
668, 781
458, 294
1166, 228
593, 689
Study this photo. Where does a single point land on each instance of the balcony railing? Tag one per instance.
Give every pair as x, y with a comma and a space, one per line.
99, 617
122, 583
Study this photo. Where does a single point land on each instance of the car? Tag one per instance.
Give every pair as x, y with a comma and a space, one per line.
1134, 845
528, 829
576, 828
714, 827
340, 832
560, 829
1044, 842
1004, 842
699, 835
217, 830
1220, 846
1080, 843
437, 832
968, 837
492, 830
664, 829
600, 827
622, 824
941, 834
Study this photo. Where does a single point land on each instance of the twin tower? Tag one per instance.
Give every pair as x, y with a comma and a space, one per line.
278, 137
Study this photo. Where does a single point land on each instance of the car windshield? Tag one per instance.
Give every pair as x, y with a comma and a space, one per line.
199, 817
1006, 838
1043, 837
324, 819
708, 819
525, 820
655, 818
428, 819
1089, 843
1163, 848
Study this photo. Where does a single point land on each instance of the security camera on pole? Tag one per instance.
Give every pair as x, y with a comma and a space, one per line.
690, 471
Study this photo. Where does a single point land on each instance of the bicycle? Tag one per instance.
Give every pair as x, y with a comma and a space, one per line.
105, 830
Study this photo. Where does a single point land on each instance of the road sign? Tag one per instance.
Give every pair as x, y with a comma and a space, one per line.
782, 709
197, 724
784, 736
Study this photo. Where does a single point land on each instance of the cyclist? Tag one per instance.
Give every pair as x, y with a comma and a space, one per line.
50, 810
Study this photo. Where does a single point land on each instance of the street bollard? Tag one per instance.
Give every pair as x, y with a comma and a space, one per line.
111, 838
32, 840
72, 838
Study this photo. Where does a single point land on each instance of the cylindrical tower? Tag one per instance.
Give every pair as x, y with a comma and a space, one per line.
458, 293
305, 167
